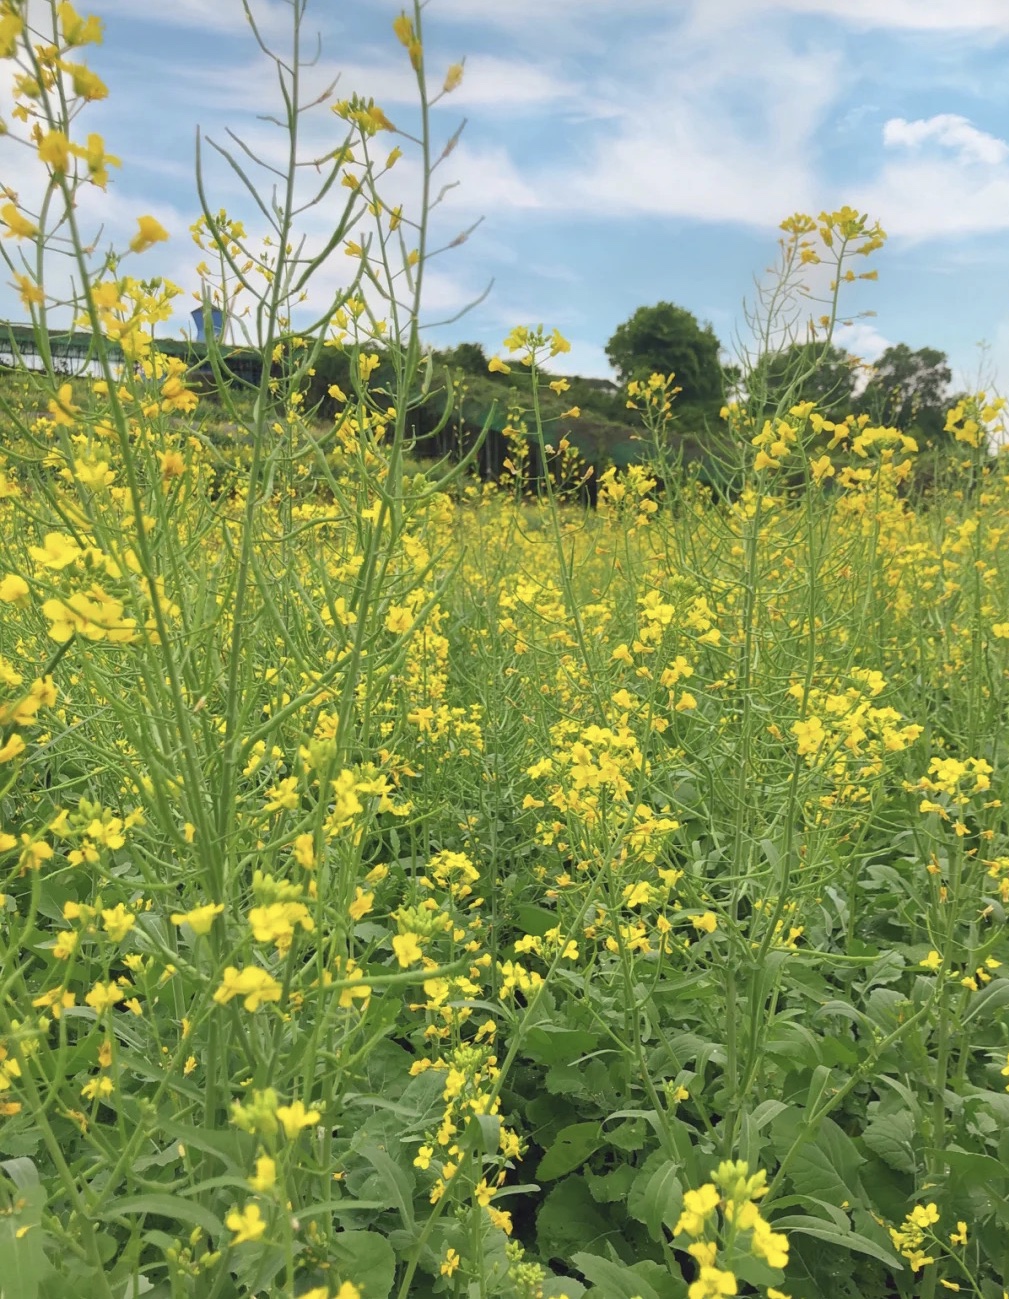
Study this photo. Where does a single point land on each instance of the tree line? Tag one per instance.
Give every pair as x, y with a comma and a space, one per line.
905, 388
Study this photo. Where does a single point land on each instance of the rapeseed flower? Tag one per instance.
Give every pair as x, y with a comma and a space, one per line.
254, 985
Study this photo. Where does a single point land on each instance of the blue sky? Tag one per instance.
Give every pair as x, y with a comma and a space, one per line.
619, 151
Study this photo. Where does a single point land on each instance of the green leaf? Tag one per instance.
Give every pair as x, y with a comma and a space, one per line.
663, 1199
989, 999
234, 1149
613, 1280
569, 1219
610, 1188
570, 1149
394, 1179
562, 1287
165, 1205
825, 1167
367, 1259
548, 1045
851, 1240
891, 1136
22, 1172
23, 1262
979, 1170
534, 920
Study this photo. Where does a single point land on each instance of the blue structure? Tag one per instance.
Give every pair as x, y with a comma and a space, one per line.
216, 318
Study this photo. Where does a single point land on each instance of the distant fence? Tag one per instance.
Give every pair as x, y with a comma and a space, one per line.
72, 353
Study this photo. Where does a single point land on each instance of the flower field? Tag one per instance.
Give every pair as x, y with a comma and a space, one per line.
415, 885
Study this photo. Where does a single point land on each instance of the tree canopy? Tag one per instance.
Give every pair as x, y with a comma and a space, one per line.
817, 372
909, 389
665, 338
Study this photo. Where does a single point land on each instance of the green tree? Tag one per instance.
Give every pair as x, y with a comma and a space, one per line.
468, 357
909, 390
667, 338
817, 372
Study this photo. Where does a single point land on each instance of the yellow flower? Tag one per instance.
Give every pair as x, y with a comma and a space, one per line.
362, 904
698, 1206
294, 1117
247, 1225
199, 919
497, 366
304, 851
276, 923
407, 948
398, 620
149, 232
98, 1088
266, 1174
449, 1263
12, 749
54, 150
256, 986
636, 895
61, 408
65, 945
77, 30
30, 293
711, 1283
18, 225
356, 990
704, 1251
453, 77
403, 27
118, 922
58, 551
707, 923
558, 343
11, 27
931, 962
772, 1246
501, 1219
809, 735
13, 589
924, 1215
103, 996
821, 469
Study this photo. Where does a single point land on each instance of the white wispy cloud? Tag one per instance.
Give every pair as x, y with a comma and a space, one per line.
945, 177
706, 128
949, 130
273, 18
862, 339
911, 15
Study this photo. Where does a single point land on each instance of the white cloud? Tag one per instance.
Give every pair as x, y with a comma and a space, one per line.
949, 130
273, 19
514, 85
932, 198
517, 86
707, 128
914, 15
575, 17
585, 359
862, 339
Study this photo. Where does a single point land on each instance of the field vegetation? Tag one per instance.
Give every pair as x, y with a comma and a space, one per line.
416, 884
